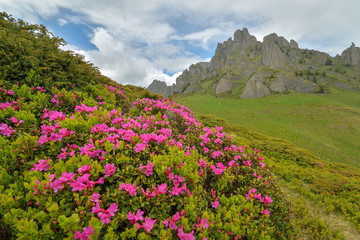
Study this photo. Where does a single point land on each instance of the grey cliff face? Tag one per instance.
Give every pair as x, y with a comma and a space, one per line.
272, 54
351, 55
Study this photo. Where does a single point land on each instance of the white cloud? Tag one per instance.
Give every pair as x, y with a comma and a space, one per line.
62, 22
137, 40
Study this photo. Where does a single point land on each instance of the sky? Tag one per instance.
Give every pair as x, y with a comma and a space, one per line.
137, 41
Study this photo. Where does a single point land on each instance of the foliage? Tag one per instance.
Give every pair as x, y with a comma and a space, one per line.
82, 157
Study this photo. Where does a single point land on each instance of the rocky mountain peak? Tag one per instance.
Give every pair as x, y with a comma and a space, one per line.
249, 68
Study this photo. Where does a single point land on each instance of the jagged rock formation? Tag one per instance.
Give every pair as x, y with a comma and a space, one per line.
160, 87
351, 55
257, 69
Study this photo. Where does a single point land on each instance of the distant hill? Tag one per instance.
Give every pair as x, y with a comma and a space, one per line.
245, 67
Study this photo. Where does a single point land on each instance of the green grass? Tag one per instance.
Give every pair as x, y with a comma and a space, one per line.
326, 124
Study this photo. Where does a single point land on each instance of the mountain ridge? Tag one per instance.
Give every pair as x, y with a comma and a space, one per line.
245, 67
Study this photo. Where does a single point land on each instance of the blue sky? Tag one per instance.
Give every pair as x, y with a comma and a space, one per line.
136, 41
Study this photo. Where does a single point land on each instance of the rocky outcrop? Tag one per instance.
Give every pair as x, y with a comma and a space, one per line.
160, 87
351, 55
272, 66
271, 50
224, 86
294, 44
256, 87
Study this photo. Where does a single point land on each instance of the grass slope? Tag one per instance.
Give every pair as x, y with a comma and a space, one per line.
326, 124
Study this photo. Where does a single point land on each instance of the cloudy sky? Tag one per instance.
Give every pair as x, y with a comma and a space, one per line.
136, 41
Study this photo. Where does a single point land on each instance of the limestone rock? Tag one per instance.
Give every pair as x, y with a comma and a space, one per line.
272, 54
160, 87
157, 87
301, 85
294, 44
351, 55
224, 85
256, 87
277, 84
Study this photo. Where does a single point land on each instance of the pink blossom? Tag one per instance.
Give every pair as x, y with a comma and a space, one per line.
202, 163
185, 236
162, 188
105, 215
10, 92
84, 108
43, 165
267, 200
84, 169
95, 197
262, 164
6, 130
139, 147
172, 220
201, 223
216, 203
147, 193
148, 224
109, 169
85, 235
216, 154
14, 120
134, 218
220, 168
148, 167
131, 189
265, 212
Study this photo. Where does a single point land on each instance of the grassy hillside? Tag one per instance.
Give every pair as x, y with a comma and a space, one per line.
326, 124
83, 157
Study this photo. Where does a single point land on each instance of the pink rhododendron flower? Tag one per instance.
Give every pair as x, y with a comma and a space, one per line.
103, 214
137, 217
148, 167
109, 169
148, 224
95, 197
162, 188
267, 200
201, 223
139, 147
42, 165
265, 212
84, 169
202, 163
185, 236
85, 235
147, 193
6, 130
131, 189
172, 220
220, 168
216, 203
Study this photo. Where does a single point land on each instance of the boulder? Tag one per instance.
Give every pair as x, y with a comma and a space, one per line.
256, 87
277, 84
224, 85
301, 85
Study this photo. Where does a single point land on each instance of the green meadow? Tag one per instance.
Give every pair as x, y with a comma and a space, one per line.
326, 124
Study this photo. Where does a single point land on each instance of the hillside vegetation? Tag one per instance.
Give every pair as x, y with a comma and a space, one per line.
83, 157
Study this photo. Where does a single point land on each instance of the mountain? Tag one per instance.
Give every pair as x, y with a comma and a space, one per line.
245, 67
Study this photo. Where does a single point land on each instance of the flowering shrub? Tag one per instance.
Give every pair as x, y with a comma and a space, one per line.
90, 170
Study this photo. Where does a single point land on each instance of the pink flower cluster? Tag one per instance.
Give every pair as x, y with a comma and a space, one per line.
131, 189
42, 165
6, 130
148, 223
85, 235
103, 214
